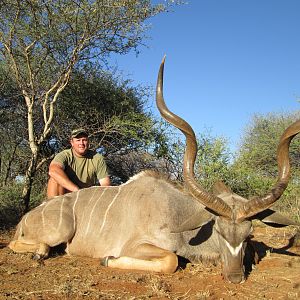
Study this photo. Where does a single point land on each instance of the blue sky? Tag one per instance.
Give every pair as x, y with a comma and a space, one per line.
226, 61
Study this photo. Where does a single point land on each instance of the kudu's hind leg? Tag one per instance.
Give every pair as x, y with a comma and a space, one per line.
40, 250
145, 257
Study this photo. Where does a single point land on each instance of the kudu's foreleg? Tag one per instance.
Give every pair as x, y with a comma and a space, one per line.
144, 257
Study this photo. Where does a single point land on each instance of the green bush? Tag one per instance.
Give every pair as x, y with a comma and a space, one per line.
11, 208
11, 205
289, 203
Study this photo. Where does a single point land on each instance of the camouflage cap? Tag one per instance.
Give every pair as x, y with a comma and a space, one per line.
79, 131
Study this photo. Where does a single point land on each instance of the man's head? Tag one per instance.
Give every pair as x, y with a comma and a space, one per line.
79, 141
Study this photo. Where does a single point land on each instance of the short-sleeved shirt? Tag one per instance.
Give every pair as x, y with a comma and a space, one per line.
84, 171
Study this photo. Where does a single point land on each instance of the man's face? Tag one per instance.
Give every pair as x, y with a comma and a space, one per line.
80, 145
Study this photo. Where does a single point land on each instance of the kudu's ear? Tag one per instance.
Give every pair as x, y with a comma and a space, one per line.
197, 220
273, 218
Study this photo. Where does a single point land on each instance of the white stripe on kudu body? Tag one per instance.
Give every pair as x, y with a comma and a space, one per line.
93, 209
108, 208
43, 214
61, 213
74, 216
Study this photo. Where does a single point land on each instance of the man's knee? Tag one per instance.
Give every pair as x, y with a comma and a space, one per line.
54, 189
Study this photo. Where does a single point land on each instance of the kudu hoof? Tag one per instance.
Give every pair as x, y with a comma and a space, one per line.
37, 257
104, 260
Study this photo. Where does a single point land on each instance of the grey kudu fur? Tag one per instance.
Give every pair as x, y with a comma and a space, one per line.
146, 223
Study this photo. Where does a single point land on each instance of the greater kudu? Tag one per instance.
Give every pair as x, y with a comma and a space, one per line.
146, 223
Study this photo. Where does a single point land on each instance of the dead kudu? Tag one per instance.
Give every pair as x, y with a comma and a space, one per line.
146, 223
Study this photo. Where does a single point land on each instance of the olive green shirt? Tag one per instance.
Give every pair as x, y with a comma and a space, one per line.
84, 171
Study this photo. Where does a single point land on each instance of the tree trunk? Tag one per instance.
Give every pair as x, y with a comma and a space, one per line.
8, 168
28, 181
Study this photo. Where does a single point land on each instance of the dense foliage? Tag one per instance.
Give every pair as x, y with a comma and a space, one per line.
256, 164
42, 43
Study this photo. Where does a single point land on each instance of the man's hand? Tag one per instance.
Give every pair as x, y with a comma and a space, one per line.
105, 181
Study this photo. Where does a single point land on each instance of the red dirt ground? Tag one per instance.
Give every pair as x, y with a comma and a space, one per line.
276, 276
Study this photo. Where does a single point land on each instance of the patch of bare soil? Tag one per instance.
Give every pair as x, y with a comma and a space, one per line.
276, 276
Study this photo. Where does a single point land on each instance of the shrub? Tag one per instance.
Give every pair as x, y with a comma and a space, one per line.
11, 208
11, 205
